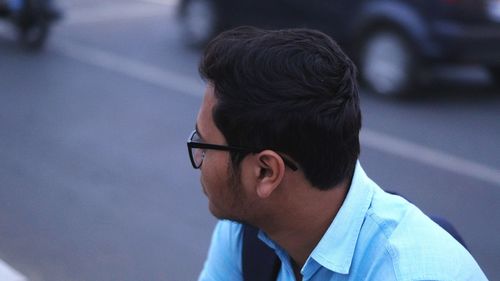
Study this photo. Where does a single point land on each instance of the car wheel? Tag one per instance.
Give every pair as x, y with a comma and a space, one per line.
495, 74
33, 24
387, 64
34, 35
199, 22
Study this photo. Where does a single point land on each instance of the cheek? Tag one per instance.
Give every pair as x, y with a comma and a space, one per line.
213, 175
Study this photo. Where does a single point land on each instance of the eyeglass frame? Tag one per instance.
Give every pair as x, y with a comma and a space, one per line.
191, 144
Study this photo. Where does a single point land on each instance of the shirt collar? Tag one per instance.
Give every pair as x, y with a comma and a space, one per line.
335, 250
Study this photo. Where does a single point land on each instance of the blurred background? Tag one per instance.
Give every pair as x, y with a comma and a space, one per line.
95, 180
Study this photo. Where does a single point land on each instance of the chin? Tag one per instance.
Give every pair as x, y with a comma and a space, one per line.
219, 214
214, 211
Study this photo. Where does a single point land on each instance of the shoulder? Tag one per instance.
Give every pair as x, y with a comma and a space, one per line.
224, 255
415, 246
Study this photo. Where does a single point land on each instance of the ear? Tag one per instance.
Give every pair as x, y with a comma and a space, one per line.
269, 172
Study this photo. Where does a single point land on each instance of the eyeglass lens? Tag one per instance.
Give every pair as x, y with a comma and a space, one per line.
197, 153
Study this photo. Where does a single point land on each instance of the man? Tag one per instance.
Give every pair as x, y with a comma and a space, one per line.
277, 143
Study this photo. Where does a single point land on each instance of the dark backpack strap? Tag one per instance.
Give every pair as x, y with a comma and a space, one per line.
446, 225
259, 262
443, 223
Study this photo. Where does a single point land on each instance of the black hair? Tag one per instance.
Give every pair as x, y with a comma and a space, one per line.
293, 91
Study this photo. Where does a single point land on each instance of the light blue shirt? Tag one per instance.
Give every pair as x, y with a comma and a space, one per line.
374, 236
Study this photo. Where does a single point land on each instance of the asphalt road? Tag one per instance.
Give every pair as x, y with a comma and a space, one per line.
95, 180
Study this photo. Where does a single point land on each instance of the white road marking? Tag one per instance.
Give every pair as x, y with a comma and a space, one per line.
194, 87
113, 12
163, 2
132, 68
429, 156
7, 273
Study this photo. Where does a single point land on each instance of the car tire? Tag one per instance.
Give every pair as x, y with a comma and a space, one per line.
199, 21
495, 74
388, 64
34, 35
33, 25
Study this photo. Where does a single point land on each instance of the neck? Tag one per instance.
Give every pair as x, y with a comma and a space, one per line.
302, 219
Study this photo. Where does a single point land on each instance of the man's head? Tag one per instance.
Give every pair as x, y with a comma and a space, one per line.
286, 96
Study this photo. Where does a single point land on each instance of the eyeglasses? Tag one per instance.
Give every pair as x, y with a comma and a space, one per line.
196, 150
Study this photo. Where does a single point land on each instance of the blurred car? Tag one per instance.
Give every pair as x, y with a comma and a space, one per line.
32, 19
393, 42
